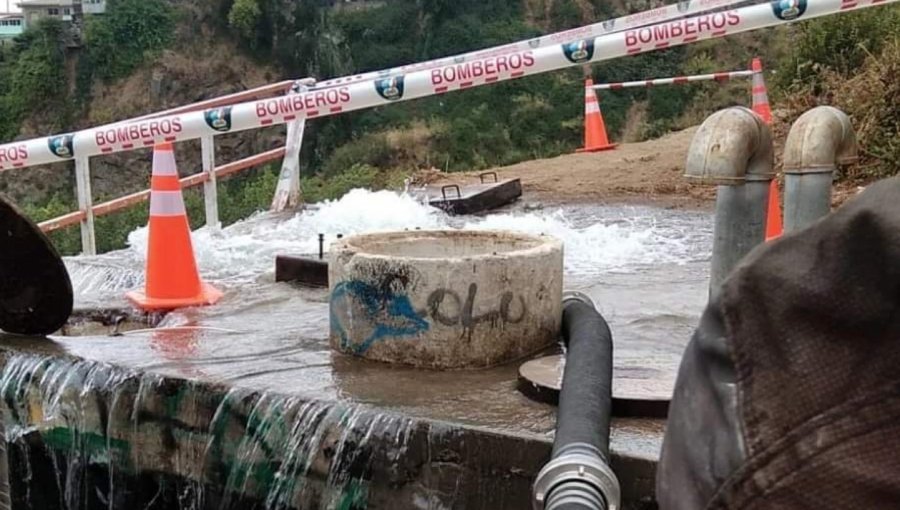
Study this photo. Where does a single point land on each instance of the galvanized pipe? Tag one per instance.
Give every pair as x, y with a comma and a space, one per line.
740, 226
733, 150
819, 141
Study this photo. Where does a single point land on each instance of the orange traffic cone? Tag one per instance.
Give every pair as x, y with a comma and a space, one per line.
760, 94
595, 138
774, 227
172, 277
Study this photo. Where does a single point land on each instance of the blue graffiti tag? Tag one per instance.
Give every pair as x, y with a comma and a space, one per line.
392, 314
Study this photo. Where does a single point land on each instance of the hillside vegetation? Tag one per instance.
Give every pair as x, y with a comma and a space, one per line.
150, 54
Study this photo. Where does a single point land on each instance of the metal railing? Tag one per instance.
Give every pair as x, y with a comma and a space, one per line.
88, 211
127, 201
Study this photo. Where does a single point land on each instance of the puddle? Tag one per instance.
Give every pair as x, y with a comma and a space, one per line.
107, 322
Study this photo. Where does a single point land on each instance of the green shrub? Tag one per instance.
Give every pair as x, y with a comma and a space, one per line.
130, 33
868, 94
66, 241
244, 17
318, 188
33, 78
838, 43
370, 150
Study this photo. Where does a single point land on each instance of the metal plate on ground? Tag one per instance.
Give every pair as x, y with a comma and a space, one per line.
460, 199
636, 393
305, 270
35, 290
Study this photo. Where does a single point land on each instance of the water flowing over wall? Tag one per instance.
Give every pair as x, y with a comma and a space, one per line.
87, 435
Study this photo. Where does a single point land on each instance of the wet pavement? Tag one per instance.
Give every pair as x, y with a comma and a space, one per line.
645, 268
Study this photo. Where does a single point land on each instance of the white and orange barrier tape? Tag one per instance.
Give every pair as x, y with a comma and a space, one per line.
639, 19
677, 80
417, 84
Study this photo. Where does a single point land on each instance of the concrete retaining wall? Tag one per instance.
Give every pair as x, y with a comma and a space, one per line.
87, 435
83, 434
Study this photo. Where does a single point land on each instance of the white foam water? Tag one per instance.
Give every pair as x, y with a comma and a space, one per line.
597, 239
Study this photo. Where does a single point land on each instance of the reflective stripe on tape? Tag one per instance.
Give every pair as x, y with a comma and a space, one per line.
166, 203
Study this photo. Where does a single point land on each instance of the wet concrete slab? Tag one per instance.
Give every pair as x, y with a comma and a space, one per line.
90, 435
265, 341
268, 338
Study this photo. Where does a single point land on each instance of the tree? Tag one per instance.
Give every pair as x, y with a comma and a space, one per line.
244, 17
130, 33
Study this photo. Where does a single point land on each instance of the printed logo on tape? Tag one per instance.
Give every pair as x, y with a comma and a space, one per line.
684, 5
788, 9
390, 88
61, 146
609, 25
534, 43
579, 51
459, 59
219, 119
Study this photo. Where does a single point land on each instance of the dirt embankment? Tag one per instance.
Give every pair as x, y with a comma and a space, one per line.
651, 171
644, 172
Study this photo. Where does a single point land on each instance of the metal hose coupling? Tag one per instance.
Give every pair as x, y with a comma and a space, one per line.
574, 295
577, 477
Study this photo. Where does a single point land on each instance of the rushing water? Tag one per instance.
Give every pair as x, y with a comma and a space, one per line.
646, 268
298, 428
599, 240
223, 449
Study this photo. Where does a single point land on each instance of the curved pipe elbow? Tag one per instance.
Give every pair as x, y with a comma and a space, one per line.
819, 141
731, 147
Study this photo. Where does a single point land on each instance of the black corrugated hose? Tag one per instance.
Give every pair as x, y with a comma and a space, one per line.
578, 476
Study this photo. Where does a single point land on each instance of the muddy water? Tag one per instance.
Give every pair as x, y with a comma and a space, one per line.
646, 268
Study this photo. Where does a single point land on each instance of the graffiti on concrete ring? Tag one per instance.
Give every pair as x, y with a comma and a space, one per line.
466, 317
391, 313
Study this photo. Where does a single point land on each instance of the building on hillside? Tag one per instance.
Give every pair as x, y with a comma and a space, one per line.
11, 25
36, 10
93, 6
66, 10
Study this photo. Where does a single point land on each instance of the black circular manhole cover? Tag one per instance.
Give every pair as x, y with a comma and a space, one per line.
636, 393
35, 290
